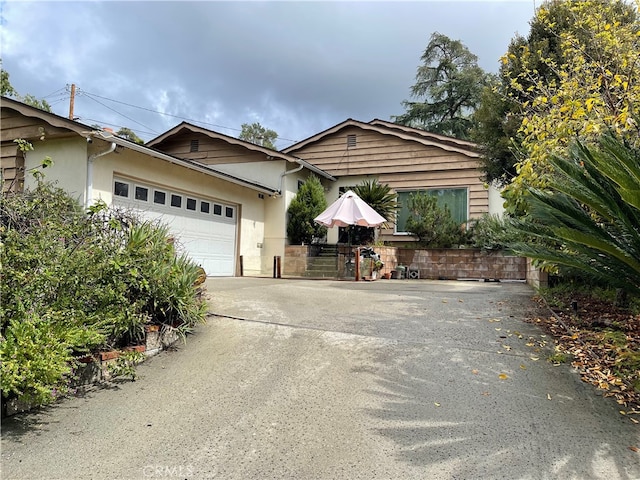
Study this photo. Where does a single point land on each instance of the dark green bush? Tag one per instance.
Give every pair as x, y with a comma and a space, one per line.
308, 203
75, 282
434, 226
491, 232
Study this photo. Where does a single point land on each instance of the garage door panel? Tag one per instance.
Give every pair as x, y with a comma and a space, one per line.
207, 238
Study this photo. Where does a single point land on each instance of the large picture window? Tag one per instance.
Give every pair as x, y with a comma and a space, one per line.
454, 198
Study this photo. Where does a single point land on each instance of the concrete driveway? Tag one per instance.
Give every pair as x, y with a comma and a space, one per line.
300, 379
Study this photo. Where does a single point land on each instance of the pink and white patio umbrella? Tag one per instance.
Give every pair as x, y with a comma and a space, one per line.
350, 209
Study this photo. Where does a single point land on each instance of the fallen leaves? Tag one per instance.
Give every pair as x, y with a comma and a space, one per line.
503, 376
601, 342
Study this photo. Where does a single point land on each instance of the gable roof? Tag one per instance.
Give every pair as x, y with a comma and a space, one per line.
51, 118
426, 134
399, 131
89, 132
268, 152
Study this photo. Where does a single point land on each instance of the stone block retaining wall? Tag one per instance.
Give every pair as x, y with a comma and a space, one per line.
449, 264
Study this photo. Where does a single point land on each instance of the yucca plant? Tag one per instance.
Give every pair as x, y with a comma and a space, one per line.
591, 213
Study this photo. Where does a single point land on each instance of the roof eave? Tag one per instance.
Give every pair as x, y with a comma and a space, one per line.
183, 163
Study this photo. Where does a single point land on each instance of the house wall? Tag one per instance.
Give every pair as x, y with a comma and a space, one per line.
70, 172
232, 159
402, 164
136, 166
11, 167
69, 169
496, 202
15, 125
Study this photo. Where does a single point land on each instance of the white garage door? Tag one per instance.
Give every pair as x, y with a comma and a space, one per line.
205, 229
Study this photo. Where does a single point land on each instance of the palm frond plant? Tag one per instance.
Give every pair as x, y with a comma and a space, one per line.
382, 199
591, 213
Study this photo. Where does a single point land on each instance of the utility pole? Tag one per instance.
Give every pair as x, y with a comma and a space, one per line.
72, 100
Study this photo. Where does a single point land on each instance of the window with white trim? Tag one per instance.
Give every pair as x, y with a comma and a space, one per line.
159, 197
121, 189
141, 193
147, 194
176, 200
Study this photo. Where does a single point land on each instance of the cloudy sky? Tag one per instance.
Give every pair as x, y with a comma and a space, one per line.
295, 67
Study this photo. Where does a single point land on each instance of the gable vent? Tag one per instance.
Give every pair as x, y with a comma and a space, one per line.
351, 140
195, 145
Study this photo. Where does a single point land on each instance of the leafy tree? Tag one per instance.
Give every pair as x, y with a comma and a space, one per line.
308, 203
130, 135
35, 102
574, 77
434, 226
256, 133
7, 90
447, 89
496, 125
587, 217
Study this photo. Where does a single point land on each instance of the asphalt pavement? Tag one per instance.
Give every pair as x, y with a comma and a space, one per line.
301, 379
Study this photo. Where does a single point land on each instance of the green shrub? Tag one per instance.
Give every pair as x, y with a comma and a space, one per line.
434, 226
492, 232
308, 203
75, 282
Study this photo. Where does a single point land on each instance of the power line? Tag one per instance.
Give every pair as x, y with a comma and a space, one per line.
89, 94
102, 122
158, 112
122, 114
54, 92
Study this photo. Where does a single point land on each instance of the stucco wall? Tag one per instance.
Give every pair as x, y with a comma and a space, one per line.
129, 164
69, 167
266, 173
496, 202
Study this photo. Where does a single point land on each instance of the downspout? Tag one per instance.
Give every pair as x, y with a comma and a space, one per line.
90, 159
287, 172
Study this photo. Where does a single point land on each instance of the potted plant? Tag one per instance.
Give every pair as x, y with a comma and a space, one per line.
376, 267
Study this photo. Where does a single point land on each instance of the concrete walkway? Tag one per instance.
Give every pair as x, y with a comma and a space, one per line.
304, 379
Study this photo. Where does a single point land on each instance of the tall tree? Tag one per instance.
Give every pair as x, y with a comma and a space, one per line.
130, 135
447, 90
256, 133
576, 75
